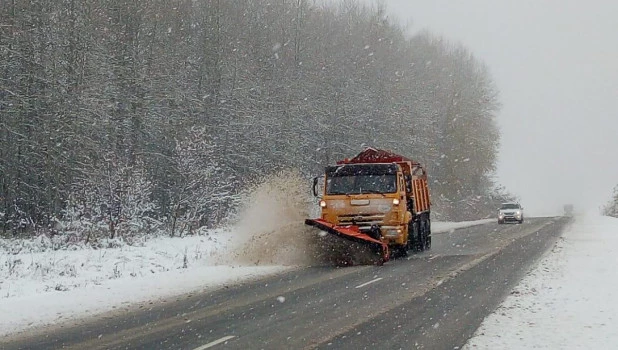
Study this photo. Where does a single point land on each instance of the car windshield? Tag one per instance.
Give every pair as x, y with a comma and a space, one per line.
510, 206
359, 184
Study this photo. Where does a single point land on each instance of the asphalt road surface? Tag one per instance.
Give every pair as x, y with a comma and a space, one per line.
430, 300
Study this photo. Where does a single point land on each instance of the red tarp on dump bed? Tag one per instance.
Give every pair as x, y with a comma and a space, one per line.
373, 155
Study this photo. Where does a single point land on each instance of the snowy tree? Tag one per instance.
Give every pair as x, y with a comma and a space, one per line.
611, 208
201, 188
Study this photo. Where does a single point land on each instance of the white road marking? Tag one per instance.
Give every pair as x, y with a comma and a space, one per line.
216, 342
435, 256
370, 282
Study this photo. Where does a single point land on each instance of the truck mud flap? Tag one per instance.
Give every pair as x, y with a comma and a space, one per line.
351, 233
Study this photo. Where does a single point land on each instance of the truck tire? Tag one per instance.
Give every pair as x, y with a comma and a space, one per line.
420, 240
408, 246
427, 235
415, 241
423, 236
428, 241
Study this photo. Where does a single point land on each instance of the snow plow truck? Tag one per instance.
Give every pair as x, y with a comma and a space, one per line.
377, 199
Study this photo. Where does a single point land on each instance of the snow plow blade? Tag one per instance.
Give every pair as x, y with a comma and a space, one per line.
352, 233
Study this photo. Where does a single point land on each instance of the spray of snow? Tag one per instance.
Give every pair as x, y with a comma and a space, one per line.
270, 229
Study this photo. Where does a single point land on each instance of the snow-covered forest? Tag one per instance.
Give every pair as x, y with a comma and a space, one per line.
123, 115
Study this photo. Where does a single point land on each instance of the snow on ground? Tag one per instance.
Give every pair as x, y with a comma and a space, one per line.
42, 286
39, 288
568, 301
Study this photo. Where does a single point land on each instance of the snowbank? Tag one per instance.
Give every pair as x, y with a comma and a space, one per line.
39, 288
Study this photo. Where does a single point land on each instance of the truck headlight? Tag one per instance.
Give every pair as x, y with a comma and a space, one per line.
395, 201
392, 232
323, 204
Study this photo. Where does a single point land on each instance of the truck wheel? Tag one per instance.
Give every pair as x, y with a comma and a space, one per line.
413, 239
428, 240
422, 236
426, 234
408, 245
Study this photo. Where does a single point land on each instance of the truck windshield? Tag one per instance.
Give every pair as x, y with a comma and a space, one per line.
359, 184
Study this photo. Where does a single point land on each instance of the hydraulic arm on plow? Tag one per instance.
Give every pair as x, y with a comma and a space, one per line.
377, 199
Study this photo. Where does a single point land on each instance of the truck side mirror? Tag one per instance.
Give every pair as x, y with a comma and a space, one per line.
315, 186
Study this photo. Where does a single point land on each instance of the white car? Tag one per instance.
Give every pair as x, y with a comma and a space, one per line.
512, 212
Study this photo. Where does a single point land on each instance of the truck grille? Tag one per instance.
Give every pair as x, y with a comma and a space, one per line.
361, 219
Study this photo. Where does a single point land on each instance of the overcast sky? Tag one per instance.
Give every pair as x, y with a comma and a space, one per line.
555, 63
